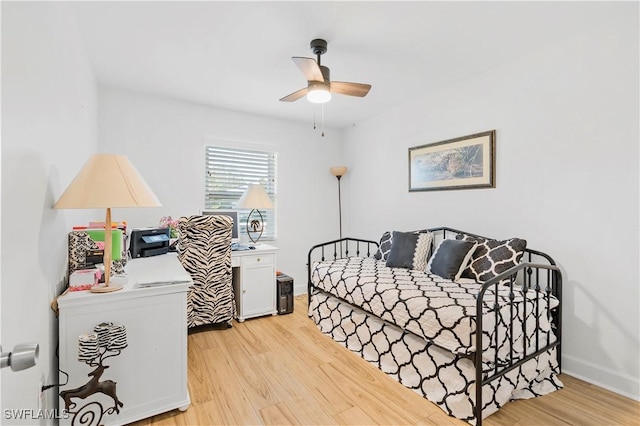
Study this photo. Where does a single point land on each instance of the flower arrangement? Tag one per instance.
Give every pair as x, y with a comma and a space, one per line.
169, 222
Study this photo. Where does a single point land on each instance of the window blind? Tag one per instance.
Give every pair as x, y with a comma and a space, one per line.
229, 171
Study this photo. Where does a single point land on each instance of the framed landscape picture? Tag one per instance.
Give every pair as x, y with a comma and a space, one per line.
461, 163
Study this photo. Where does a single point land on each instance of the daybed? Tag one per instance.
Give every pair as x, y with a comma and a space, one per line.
412, 304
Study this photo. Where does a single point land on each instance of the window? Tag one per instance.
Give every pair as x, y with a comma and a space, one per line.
228, 172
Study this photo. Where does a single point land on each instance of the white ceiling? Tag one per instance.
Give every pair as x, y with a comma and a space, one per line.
237, 55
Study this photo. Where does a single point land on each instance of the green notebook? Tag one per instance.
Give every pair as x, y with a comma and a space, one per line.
116, 240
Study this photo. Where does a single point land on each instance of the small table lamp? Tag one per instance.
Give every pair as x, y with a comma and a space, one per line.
254, 198
107, 181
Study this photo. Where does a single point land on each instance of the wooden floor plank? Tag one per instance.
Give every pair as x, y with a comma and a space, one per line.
355, 416
382, 409
305, 409
199, 381
229, 397
282, 370
278, 414
291, 385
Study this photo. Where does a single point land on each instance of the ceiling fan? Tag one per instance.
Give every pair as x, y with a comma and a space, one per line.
319, 85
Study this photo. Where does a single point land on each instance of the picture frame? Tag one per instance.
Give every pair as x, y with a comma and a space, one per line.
467, 162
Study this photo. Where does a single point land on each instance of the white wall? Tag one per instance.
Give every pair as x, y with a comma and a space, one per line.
567, 129
165, 140
49, 129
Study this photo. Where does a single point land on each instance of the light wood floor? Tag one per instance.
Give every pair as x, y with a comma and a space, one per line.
281, 370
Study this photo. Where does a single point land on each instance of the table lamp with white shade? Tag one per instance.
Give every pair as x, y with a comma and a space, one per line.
107, 181
255, 198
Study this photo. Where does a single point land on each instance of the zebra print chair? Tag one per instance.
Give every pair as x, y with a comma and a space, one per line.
204, 250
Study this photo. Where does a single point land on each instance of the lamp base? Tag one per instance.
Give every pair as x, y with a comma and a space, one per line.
256, 226
105, 289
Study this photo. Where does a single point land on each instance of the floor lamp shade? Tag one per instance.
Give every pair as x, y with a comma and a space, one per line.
107, 181
338, 171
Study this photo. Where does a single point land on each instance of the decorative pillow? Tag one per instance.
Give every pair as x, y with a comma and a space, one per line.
385, 246
410, 250
492, 257
450, 258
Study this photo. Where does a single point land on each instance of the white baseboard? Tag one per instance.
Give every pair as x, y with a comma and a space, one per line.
603, 377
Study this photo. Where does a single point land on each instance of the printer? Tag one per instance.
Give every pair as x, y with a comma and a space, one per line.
147, 242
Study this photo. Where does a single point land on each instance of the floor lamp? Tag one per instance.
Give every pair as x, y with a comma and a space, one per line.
338, 172
107, 181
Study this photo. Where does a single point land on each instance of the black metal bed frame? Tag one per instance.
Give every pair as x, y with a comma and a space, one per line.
523, 277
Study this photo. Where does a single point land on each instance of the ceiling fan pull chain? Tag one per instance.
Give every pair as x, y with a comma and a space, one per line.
314, 120
322, 119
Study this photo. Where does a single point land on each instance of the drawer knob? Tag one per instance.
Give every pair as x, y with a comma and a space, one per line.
258, 259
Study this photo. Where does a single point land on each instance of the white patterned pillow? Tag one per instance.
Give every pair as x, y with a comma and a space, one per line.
492, 257
410, 250
385, 246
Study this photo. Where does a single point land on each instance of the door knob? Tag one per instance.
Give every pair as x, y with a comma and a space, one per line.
23, 356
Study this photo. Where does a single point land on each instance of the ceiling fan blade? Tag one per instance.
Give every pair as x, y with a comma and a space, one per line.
350, 89
295, 95
309, 68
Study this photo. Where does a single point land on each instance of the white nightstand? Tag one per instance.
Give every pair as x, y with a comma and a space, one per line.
254, 281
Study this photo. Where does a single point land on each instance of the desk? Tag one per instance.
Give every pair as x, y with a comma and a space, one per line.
150, 374
254, 281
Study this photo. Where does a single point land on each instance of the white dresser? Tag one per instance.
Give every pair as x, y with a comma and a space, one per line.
254, 281
149, 375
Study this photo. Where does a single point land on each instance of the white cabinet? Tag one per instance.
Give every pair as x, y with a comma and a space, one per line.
254, 281
149, 375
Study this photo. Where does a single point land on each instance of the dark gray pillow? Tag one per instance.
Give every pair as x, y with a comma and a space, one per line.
409, 250
450, 258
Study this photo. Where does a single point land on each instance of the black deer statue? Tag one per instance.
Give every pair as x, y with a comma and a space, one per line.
108, 340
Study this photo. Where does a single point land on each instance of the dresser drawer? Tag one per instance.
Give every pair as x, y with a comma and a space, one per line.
258, 260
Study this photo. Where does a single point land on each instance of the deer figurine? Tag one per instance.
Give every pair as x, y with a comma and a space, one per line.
108, 340
107, 387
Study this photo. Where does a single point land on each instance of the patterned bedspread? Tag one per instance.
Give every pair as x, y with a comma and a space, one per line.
437, 309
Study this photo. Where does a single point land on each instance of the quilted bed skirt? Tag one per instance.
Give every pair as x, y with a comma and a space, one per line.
444, 379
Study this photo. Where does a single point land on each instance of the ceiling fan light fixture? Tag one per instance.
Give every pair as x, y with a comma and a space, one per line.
318, 92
